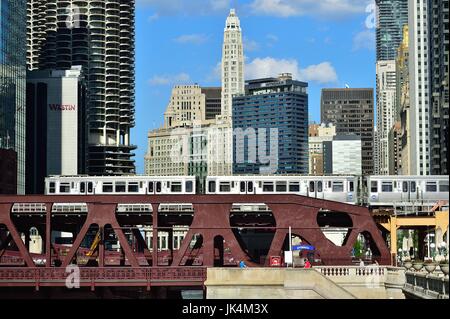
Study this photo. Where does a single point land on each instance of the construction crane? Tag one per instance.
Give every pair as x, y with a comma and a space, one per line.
94, 245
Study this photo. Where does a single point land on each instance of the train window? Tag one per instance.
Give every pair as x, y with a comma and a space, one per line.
242, 187
443, 186
373, 187
267, 186
176, 187
189, 187
431, 187
281, 186
352, 186
320, 186
107, 188
294, 187
413, 187
250, 187
158, 187
51, 188
120, 187
338, 187
64, 188
386, 187
82, 187
405, 187
212, 186
150, 187
311, 187
224, 187
90, 187
133, 187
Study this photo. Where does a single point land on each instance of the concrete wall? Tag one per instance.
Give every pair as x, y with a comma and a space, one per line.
316, 283
271, 283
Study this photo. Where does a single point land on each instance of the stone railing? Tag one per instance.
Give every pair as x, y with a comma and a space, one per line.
421, 284
372, 281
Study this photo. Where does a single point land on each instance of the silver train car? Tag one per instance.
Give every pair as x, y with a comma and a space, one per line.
335, 188
119, 185
385, 190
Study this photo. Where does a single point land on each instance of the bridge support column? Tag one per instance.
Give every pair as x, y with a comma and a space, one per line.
393, 230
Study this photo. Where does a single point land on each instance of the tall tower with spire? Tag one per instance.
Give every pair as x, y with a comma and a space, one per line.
232, 63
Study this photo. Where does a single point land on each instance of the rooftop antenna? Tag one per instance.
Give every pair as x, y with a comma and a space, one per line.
347, 86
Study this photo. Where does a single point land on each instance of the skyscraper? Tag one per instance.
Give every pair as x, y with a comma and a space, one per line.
419, 92
351, 110
439, 85
12, 82
99, 36
56, 126
221, 138
232, 63
403, 103
386, 111
392, 15
273, 103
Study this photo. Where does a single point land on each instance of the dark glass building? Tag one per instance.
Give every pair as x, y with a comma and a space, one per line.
351, 110
12, 82
272, 103
392, 15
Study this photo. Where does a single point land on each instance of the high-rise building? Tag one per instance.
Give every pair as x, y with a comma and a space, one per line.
12, 82
386, 110
439, 85
167, 152
187, 106
351, 111
99, 36
403, 104
392, 15
271, 104
182, 146
56, 126
394, 148
213, 106
221, 161
419, 88
232, 63
342, 155
318, 133
8, 167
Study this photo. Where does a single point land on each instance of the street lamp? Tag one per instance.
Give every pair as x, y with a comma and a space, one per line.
433, 252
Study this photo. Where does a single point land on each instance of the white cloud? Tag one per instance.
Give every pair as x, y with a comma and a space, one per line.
270, 67
272, 37
289, 8
153, 17
185, 7
191, 39
250, 45
320, 73
364, 40
169, 79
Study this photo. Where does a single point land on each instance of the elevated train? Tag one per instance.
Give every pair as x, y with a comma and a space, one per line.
370, 190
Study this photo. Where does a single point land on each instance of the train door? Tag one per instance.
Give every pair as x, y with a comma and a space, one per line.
409, 191
246, 187
315, 189
242, 187
90, 188
82, 188
151, 188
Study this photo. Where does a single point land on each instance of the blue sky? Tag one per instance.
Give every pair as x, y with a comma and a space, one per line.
327, 43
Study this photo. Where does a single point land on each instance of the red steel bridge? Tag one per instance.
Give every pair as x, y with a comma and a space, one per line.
212, 239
